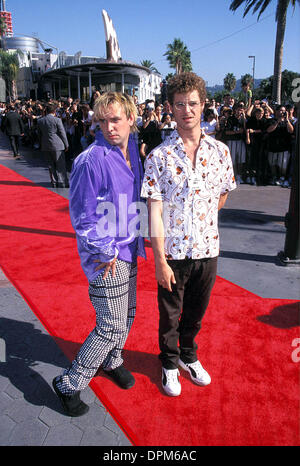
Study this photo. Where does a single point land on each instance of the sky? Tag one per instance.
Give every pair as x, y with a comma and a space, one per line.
219, 40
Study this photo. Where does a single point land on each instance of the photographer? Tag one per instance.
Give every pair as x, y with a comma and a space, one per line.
150, 135
225, 114
266, 107
210, 123
86, 121
167, 127
255, 139
235, 133
280, 137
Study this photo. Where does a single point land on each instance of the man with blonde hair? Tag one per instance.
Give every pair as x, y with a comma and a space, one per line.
104, 185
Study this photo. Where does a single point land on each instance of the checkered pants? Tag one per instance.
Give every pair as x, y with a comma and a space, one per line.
114, 300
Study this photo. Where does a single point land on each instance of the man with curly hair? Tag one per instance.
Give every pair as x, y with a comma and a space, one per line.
187, 180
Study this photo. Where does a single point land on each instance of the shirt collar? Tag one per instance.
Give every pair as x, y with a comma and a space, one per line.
100, 139
177, 140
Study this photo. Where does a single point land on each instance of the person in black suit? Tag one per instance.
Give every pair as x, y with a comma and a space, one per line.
12, 125
54, 142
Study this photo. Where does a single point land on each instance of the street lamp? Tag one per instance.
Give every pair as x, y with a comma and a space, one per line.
253, 68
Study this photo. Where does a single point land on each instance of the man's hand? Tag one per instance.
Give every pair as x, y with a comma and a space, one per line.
165, 276
108, 266
222, 200
163, 272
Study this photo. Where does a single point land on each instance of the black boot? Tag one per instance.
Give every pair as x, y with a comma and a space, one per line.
122, 377
72, 404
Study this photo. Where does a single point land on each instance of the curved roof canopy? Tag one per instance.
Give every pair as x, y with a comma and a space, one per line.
97, 69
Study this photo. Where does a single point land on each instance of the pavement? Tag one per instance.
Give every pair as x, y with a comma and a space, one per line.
252, 233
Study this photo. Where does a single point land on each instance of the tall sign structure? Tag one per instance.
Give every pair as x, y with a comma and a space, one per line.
6, 23
112, 46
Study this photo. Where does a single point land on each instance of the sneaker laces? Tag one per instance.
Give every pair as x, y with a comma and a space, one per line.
172, 375
197, 367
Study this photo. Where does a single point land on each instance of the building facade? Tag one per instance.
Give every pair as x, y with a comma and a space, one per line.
46, 72
7, 22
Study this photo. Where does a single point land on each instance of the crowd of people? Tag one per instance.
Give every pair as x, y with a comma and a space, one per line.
75, 115
259, 134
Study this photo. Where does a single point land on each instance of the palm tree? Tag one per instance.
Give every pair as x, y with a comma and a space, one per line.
229, 82
281, 13
9, 68
178, 56
169, 76
149, 64
247, 79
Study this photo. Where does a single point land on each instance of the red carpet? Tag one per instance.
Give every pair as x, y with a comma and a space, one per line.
245, 342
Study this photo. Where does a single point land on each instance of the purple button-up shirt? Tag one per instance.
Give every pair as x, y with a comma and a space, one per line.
102, 187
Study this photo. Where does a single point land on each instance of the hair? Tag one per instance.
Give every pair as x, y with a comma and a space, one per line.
226, 110
85, 107
237, 107
207, 113
50, 108
289, 107
186, 82
258, 110
111, 98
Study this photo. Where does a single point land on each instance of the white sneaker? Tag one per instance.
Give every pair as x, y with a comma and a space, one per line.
170, 381
197, 373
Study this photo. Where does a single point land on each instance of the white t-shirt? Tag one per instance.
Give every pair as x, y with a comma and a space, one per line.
89, 117
209, 127
139, 121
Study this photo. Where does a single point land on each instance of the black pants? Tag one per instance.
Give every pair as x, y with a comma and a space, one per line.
14, 142
57, 168
181, 311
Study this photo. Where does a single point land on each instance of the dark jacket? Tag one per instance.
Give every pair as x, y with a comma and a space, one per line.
52, 133
12, 124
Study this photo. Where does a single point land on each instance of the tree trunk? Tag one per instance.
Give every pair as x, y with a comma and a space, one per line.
14, 89
281, 24
178, 66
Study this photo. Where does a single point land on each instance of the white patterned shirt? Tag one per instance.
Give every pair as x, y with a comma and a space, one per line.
190, 195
